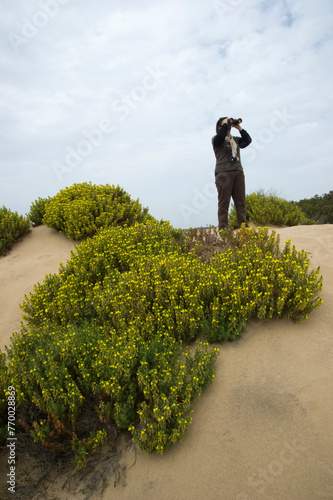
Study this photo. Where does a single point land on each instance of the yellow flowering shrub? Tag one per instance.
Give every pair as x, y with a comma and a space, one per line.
265, 209
37, 211
12, 227
169, 386
115, 321
81, 210
275, 282
91, 444
56, 369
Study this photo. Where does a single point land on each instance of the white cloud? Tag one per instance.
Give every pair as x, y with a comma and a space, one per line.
162, 73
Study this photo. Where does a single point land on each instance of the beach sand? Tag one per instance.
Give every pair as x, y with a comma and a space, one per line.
262, 430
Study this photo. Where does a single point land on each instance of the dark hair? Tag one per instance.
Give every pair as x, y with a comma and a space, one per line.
219, 121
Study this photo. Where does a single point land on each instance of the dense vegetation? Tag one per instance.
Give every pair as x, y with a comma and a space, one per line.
37, 211
12, 227
318, 208
263, 209
79, 211
115, 322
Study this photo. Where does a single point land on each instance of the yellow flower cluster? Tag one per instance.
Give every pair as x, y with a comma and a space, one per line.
82, 209
114, 320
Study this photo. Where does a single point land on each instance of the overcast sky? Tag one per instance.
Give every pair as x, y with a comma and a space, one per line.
129, 93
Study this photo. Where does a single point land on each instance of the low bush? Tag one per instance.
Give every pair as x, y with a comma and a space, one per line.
142, 386
12, 227
266, 209
116, 319
81, 210
318, 208
37, 211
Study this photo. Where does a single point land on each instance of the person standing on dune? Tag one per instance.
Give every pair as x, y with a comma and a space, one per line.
229, 174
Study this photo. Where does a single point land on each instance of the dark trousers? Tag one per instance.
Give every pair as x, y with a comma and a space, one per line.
230, 184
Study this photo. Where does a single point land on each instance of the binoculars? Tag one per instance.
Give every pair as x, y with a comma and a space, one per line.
232, 122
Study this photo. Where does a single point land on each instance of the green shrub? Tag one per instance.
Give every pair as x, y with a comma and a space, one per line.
139, 384
169, 386
37, 211
81, 210
274, 282
318, 208
115, 321
266, 209
12, 227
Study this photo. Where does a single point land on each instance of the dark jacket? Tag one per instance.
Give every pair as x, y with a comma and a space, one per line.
222, 150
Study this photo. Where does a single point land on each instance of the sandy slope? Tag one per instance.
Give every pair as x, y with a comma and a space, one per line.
262, 430
39, 253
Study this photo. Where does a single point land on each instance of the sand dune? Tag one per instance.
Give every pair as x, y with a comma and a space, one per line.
262, 430
38, 253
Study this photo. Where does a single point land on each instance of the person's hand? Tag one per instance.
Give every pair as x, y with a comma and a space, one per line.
238, 127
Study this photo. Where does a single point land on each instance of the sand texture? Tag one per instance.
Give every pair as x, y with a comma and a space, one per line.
262, 431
